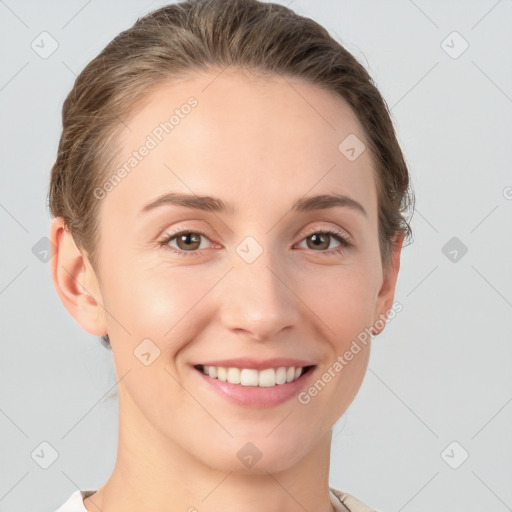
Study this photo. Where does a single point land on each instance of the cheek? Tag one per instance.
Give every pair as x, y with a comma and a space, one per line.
344, 300
156, 311
344, 304
155, 302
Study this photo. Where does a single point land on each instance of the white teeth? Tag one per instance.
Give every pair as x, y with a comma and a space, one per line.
251, 377
233, 375
281, 375
267, 378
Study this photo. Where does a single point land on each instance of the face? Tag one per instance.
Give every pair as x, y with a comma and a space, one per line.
258, 279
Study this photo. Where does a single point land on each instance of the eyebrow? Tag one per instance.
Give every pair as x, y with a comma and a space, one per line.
213, 204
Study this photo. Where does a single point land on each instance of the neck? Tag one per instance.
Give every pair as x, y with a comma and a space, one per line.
154, 473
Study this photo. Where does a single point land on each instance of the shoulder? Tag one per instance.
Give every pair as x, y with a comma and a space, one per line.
350, 503
75, 503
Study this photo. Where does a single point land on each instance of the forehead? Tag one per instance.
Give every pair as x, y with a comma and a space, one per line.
238, 135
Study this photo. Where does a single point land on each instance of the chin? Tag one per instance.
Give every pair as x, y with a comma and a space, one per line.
259, 456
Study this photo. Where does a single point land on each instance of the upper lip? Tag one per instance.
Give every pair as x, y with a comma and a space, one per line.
247, 362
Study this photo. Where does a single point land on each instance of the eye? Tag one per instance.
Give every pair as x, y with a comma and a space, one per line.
188, 242
320, 240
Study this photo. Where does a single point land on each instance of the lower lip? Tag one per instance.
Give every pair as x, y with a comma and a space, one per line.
255, 396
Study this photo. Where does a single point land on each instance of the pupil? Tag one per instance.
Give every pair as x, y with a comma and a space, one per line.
186, 239
317, 239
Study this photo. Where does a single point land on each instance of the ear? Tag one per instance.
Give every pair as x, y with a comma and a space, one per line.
75, 281
387, 292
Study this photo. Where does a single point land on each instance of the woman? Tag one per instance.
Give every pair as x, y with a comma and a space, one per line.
229, 200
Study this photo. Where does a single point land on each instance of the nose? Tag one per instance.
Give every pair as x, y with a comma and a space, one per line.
257, 298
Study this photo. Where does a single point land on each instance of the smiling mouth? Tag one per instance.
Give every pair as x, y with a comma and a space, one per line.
268, 377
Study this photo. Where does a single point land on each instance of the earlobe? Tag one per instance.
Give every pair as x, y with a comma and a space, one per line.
387, 291
75, 281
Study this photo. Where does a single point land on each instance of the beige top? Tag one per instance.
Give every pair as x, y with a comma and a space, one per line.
341, 501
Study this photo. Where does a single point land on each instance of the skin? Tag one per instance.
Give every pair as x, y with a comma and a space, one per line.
260, 144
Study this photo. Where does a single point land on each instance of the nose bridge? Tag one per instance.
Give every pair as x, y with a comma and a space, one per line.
256, 297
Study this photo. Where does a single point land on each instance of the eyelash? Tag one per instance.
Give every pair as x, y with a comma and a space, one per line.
342, 238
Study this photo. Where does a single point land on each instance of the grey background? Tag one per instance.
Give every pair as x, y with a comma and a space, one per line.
440, 372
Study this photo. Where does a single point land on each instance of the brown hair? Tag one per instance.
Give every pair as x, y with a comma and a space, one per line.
198, 35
